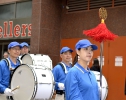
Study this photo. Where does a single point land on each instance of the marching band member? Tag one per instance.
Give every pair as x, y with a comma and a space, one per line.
7, 65
24, 48
60, 71
5, 54
80, 82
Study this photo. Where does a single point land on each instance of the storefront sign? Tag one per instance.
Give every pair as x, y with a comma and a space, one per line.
16, 31
11, 30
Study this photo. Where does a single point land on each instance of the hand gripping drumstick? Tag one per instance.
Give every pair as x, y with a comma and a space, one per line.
15, 88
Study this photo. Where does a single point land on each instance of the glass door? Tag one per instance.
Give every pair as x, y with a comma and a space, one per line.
3, 48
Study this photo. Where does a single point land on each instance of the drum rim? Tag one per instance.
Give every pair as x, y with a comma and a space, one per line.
106, 94
29, 55
23, 56
35, 78
53, 85
13, 72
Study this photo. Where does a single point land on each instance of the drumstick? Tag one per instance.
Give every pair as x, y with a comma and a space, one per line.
15, 88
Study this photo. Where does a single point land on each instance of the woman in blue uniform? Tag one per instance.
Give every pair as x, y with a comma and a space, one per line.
80, 82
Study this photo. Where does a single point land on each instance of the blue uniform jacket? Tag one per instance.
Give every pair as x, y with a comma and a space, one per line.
81, 84
5, 74
59, 75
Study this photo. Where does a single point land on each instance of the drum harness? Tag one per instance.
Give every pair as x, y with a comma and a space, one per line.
65, 71
11, 70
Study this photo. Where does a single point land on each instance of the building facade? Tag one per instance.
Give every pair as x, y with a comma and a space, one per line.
47, 25
15, 22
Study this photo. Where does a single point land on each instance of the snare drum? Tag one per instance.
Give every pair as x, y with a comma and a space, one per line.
104, 87
34, 83
37, 60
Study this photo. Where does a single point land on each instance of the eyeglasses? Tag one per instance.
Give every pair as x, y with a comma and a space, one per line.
16, 49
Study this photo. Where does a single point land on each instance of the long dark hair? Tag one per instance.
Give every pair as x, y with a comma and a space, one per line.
76, 58
96, 62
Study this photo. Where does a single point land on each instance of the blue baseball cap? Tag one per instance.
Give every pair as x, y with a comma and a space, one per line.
13, 44
84, 44
65, 49
24, 44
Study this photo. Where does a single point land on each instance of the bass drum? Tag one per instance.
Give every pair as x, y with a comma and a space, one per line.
104, 87
43, 61
34, 84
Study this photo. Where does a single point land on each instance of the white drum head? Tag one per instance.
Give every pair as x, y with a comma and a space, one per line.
23, 77
27, 59
104, 85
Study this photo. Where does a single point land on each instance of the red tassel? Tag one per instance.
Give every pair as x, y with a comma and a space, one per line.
100, 33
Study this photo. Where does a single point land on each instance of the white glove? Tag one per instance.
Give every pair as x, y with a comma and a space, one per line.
8, 92
61, 86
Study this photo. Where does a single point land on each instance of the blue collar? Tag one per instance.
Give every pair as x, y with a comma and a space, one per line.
12, 62
82, 69
67, 65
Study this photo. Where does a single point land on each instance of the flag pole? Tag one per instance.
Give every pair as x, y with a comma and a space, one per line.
101, 65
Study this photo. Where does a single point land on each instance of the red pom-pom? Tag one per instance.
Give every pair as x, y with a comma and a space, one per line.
100, 33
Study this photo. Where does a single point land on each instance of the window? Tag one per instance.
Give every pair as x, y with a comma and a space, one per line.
24, 9
16, 10
7, 11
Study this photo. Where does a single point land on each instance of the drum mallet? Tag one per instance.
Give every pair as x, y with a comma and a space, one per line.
15, 88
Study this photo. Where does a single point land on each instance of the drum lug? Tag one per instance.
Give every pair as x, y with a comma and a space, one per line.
36, 82
105, 87
44, 83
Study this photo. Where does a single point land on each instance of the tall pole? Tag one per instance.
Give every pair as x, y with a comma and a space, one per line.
101, 64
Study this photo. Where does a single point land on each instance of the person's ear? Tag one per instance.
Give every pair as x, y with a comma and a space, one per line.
61, 55
78, 52
8, 51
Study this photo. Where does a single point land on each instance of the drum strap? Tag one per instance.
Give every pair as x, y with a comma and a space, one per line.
9, 63
11, 70
63, 67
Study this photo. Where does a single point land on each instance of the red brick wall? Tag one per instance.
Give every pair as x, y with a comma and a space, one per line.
46, 22
73, 24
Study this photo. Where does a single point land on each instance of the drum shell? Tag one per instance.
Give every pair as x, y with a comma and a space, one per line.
104, 87
37, 60
32, 82
45, 84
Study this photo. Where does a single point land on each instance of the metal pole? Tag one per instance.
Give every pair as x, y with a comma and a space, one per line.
101, 63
